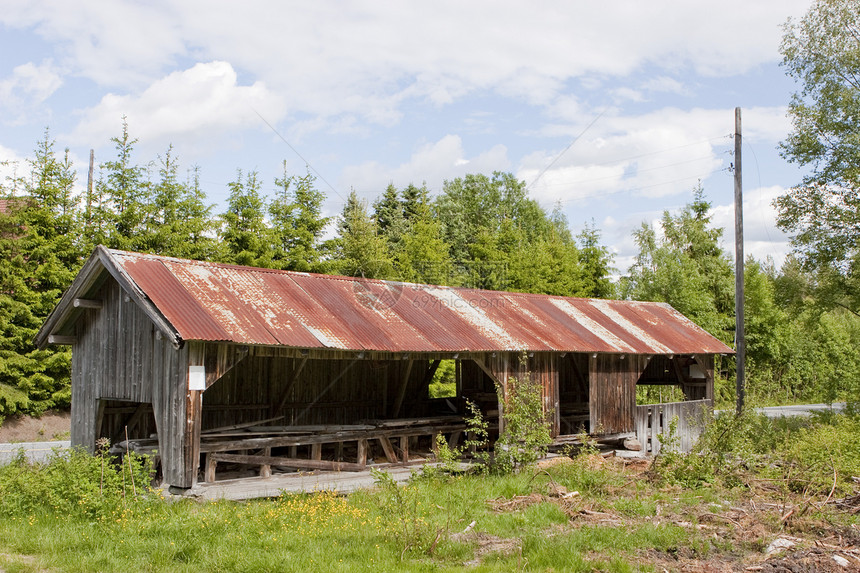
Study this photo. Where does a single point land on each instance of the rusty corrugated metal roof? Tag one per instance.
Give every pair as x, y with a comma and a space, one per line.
218, 302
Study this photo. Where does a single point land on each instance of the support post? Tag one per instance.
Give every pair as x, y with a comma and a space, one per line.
740, 341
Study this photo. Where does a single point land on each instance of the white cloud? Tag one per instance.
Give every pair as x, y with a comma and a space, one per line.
189, 105
435, 162
23, 93
366, 58
762, 238
120, 43
658, 154
665, 84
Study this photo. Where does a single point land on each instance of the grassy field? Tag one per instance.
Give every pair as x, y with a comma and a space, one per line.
717, 511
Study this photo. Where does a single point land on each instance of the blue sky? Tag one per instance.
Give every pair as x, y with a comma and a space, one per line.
615, 110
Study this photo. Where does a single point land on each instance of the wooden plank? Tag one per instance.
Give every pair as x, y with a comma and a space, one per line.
404, 448
362, 452
388, 449
293, 378
87, 303
404, 383
211, 462
240, 426
288, 462
212, 445
266, 469
316, 451
64, 340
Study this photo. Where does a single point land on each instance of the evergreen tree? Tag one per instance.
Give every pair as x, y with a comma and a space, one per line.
596, 264
178, 223
390, 220
124, 193
39, 260
245, 233
424, 248
298, 224
198, 227
359, 250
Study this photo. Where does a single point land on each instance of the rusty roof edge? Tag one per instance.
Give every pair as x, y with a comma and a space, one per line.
689, 322
451, 291
110, 259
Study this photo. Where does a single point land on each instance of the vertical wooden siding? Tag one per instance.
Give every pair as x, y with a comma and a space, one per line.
541, 367
111, 360
612, 392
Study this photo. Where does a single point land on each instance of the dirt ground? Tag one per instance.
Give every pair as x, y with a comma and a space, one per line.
49, 427
759, 527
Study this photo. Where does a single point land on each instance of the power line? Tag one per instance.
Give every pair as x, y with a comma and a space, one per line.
311, 167
557, 157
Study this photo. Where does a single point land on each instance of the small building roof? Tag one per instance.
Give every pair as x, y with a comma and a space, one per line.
194, 300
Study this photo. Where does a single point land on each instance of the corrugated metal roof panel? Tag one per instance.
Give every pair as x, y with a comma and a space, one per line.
209, 301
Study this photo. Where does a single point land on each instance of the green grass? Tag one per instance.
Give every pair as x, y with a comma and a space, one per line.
69, 516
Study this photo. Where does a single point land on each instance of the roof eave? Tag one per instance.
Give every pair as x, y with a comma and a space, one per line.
92, 271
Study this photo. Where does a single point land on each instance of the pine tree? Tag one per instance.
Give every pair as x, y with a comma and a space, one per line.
298, 224
40, 257
359, 250
596, 263
199, 228
246, 236
178, 223
124, 193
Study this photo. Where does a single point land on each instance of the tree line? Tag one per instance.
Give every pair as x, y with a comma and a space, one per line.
479, 231
802, 319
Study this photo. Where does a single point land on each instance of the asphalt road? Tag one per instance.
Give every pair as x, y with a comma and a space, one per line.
35, 451
801, 410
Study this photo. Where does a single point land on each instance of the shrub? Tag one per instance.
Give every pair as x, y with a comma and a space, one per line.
73, 483
526, 435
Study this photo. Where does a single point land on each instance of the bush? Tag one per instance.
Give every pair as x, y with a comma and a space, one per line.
73, 483
526, 435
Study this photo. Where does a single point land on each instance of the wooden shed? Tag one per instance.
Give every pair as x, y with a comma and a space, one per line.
216, 363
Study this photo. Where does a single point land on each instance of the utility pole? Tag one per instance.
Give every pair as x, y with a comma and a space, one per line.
740, 340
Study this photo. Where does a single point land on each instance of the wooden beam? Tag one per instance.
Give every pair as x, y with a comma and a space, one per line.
131, 422
486, 370
431, 372
287, 462
402, 394
388, 449
293, 377
240, 426
362, 452
404, 448
87, 303
499, 385
60, 339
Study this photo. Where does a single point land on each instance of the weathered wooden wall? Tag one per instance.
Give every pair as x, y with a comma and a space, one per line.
111, 360
317, 391
653, 421
612, 392
119, 356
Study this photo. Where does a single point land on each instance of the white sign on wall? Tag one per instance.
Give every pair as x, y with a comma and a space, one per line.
196, 378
